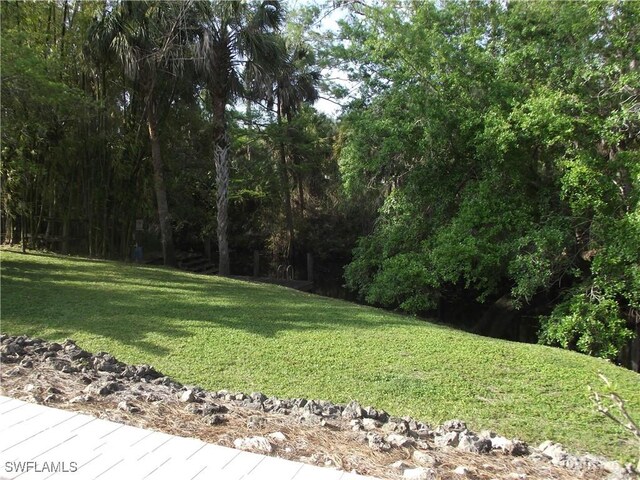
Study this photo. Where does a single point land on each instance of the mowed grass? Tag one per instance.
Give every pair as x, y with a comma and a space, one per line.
222, 333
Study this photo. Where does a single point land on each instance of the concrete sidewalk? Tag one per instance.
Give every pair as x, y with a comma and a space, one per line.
38, 442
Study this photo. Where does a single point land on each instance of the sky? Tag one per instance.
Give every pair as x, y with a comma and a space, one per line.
327, 23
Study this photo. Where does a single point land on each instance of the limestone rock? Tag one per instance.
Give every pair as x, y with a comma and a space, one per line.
277, 436
398, 441
258, 397
256, 422
454, 425
353, 410
254, 444
423, 459
397, 425
127, 407
81, 399
376, 442
370, 424
419, 473
215, 419
447, 440
460, 470
187, 396
309, 418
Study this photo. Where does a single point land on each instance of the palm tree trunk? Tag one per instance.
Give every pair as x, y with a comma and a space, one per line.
161, 191
284, 179
221, 161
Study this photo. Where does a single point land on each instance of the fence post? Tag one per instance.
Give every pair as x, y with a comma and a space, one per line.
309, 267
256, 263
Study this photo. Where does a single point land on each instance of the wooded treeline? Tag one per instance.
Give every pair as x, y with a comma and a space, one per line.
485, 165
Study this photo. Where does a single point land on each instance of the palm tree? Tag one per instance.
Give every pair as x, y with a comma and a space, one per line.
238, 40
147, 39
295, 83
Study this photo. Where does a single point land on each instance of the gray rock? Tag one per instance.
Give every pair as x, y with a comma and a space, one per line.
422, 433
396, 425
215, 419
355, 424
256, 422
147, 371
312, 407
62, 365
560, 457
419, 473
78, 354
424, 459
103, 388
54, 347
454, 425
252, 405
460, 470
370, 424
277, 436
447, 440
81, 399
254, 444
128, 407
466, 441
376, 442
331, 411
258, 397
51, 398
482, 445
211, 408
26, 363
398, 441
309, 418
299, 402
353, 410
187, 396
370, 412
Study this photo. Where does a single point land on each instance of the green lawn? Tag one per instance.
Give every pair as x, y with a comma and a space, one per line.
221, 333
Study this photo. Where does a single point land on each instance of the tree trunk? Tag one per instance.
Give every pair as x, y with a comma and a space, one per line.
161, 191
300, 193
23, 233
8, 229
221, 161
284, 179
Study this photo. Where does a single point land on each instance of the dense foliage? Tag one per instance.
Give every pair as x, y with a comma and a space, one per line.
502, 144
117, 111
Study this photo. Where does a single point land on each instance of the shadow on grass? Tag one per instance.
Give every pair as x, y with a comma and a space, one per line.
130, 303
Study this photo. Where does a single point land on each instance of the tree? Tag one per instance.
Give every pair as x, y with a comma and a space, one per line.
501, 142
294, 83
238, 39
149, 40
